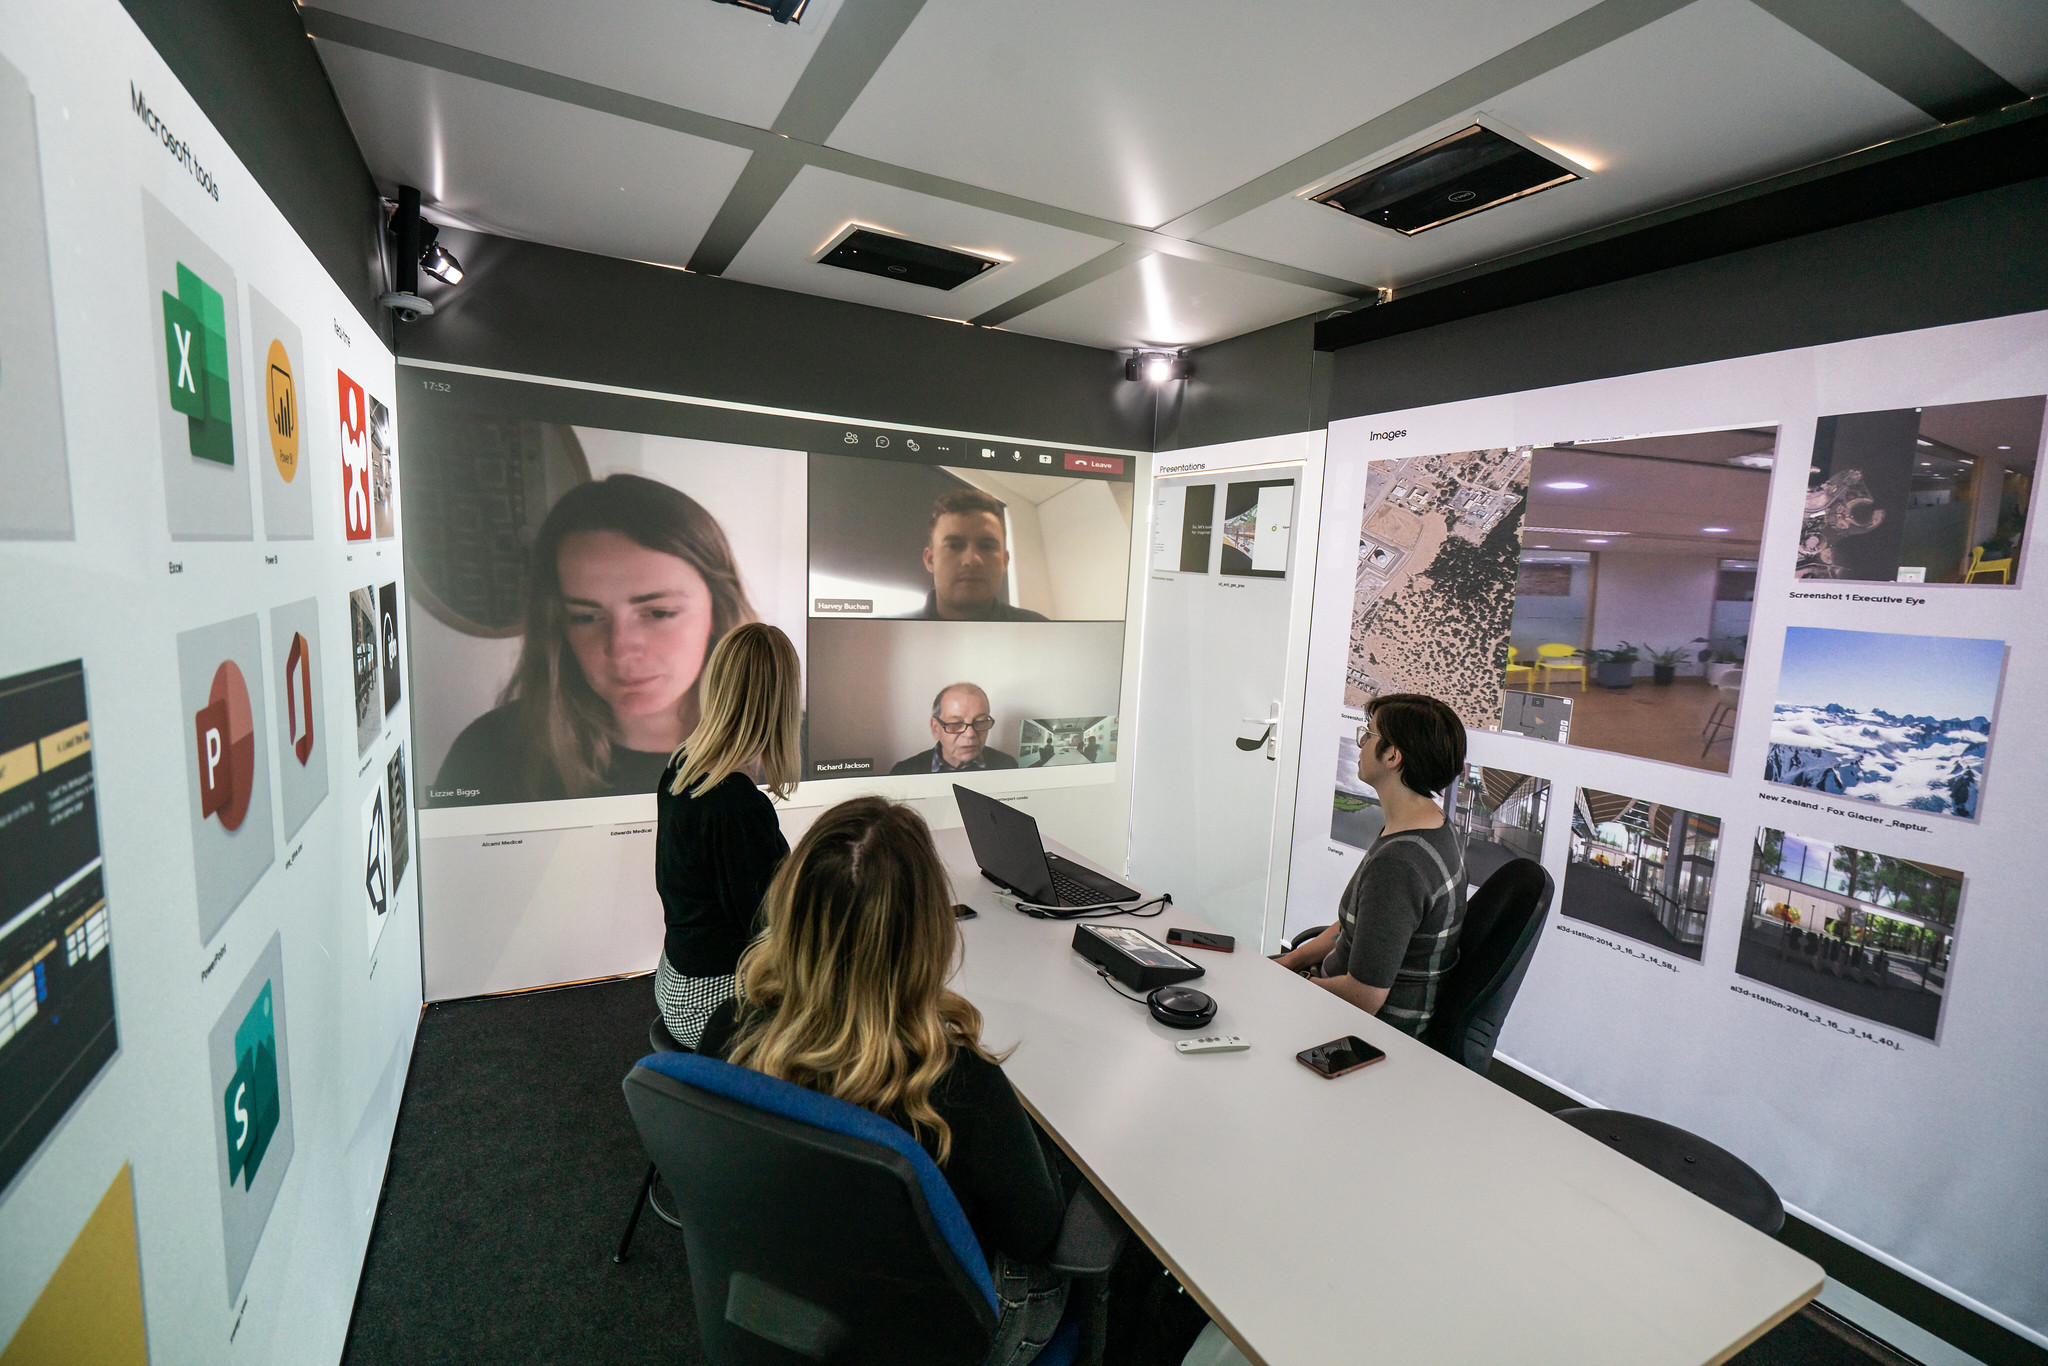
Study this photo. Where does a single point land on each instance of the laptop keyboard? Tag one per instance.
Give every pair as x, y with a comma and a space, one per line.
1074, 891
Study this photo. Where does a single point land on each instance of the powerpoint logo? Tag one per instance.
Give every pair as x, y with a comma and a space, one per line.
196, 362
298, 696
251, 1105
281, 402
225, 732
355, 459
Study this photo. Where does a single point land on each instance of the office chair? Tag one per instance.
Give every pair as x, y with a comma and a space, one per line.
819, 1231
661, 1041
1714, 1174
1503, 921
1979, 565
1559, 659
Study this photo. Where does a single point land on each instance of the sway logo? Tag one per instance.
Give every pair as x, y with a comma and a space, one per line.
225, 732
281, 402
251, 1106
196, 361
298, 696
355, 458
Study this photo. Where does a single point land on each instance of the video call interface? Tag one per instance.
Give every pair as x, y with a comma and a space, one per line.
958, 603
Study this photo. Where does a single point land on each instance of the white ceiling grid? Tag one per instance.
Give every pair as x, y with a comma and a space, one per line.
1137, 165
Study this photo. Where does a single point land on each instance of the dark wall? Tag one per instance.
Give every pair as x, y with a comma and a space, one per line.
568, 314
1261, 384
1980, 256
251, 69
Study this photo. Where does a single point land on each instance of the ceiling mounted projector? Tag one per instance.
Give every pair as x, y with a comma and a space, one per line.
1468, 172
899, 258
781, 11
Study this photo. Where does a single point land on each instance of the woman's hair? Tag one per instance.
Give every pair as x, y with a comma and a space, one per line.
568, 725
749, 710
1429, 735
846, 988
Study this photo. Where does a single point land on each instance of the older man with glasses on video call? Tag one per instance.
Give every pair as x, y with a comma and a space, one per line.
961, 721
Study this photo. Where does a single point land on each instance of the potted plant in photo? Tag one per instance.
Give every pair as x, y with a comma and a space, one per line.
1615, 668
1664, 663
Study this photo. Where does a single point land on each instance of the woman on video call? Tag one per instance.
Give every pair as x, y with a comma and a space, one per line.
717, 841
631, 585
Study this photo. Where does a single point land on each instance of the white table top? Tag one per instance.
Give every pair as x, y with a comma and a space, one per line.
1409, 1212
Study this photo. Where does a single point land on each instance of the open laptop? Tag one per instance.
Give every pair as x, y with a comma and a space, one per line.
1011, 855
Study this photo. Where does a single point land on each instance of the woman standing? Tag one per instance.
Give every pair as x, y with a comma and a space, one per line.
718, 842
631, 584
846, 994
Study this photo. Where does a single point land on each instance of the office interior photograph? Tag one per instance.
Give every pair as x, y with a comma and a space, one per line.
1090, 682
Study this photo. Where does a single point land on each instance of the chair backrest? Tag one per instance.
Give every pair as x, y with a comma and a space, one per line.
1503, 921
815, 1230
1555, 651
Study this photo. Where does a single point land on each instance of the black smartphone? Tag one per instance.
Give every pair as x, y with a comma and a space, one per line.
1338, 1056
1195, 939
963, 912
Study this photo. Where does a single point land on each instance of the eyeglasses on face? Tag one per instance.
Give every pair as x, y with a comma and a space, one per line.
1366, 732
981, 725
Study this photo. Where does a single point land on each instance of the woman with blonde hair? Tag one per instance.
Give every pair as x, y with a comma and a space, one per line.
717, 839
845, 993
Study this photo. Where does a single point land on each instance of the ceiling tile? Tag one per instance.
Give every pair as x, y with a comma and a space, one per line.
1169, 301
1714, 96
2009, 36
522, 166
715, 59
1141, 112
819, 203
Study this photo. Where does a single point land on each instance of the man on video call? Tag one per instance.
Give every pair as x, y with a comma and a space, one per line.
960, 725
968, 556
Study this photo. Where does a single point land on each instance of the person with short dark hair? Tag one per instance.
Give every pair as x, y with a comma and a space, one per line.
1396, 932
960, 724
967, 553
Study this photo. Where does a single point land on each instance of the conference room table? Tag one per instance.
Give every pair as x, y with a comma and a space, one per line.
1412, 1211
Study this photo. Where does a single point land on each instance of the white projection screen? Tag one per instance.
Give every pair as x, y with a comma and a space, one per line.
209, 942
1784, 613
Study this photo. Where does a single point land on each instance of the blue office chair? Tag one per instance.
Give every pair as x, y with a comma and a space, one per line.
1503, 921
819, 1231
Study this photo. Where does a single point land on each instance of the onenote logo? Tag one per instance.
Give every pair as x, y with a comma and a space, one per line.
196, 362
250, 1106
281, 404
298, 696
225, 732
355, 458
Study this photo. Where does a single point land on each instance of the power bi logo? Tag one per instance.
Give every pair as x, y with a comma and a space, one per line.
196, 361
251, 1102
281, 403
225, 732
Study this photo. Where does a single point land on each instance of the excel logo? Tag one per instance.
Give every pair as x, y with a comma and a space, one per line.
250, 1104
196, 359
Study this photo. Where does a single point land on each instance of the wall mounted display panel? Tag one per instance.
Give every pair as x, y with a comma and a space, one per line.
576, 553
1811, 944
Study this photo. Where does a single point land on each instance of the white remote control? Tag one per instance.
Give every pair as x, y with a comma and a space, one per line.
1214, 1043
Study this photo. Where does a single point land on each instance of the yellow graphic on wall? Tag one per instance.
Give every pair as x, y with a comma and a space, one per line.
90, 1313
281, 403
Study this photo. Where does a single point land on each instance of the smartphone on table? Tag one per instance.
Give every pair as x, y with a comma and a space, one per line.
962, 911
1196, 939
1338, 1056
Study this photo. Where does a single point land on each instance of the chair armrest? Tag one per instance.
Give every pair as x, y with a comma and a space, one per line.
1090, 1238
1306, 935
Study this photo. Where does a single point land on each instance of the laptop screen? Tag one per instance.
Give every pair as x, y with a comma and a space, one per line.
1006, 844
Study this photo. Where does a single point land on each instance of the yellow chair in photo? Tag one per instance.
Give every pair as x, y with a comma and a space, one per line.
1516, 666
1559, 659
1980, 565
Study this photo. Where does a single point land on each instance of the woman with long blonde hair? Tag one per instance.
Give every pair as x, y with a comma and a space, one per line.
717, 839
845, 993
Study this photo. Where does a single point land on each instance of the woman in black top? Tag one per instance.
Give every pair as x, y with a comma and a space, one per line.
631, 584
845, 993
717, 841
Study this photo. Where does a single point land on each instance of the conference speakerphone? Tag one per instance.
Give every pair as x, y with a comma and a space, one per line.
1136, 959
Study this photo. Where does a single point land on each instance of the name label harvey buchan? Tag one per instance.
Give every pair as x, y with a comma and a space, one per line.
843, 607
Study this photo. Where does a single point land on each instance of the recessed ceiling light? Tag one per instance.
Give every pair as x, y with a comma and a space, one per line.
1596, 540
1565, 484
1716, 529
2005, 448
1757, 461
1925, 442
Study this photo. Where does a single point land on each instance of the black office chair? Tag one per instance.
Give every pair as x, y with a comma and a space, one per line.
1503, 922
818, 1231
661, 1041
1714, 1174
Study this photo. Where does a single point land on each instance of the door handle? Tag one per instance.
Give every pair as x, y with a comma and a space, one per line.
1249, 745
1269, 738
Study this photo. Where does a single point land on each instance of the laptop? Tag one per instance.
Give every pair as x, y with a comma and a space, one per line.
1011, 855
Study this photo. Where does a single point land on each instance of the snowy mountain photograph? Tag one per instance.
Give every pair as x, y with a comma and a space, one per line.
1901, 721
